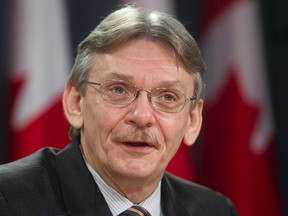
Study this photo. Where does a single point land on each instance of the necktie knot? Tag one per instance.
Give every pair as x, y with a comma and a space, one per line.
135, 210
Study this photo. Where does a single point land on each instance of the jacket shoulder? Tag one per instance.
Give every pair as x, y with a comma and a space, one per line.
198, 199
18, 170
29, 184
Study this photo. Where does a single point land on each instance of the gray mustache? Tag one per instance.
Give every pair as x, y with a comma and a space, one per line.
136, 134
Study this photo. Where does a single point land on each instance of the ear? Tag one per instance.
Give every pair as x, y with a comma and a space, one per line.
194, 124
72, 106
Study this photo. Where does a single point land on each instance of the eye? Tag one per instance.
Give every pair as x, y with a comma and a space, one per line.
169, 97
166, 96
117, 89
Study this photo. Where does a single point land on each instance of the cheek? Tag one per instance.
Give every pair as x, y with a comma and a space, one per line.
173, 130
100, 120
93, 125
98, 124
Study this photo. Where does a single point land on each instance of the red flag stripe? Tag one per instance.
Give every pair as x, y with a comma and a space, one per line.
212, 10
39, 66
238, 134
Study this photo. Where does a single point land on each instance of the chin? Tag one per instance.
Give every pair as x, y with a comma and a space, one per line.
138, 171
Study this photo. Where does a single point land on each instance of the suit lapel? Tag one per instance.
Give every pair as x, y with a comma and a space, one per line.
80, 192
169, 204
82, 196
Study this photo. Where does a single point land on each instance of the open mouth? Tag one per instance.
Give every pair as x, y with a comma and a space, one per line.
137, 144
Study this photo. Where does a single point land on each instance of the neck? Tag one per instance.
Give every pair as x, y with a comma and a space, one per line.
134, 190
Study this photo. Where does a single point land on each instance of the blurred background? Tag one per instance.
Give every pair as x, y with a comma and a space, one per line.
242, 149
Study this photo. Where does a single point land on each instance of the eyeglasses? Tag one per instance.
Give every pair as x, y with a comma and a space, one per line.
122, 93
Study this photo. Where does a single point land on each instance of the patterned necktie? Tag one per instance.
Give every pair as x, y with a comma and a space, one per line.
135, 210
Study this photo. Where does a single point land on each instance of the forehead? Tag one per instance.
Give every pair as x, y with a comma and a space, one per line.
141, 60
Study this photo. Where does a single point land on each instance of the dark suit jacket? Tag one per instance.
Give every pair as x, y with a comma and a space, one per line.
52, 182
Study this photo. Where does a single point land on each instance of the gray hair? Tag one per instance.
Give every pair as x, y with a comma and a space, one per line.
130, 23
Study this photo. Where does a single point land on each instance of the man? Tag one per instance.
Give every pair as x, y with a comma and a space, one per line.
134, 94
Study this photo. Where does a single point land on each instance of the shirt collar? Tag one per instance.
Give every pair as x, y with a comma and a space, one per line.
118, 203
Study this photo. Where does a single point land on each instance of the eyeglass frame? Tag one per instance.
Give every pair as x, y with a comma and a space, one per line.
137, 93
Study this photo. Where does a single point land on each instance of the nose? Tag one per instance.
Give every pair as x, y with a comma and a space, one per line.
142, 112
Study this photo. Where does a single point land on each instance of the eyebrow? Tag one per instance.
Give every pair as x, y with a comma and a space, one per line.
131, 79
119, 76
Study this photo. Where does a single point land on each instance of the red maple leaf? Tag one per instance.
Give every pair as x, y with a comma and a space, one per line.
229, 165
50, 128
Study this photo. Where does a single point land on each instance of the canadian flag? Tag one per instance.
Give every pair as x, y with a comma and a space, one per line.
182, 163
39, 65
238, 134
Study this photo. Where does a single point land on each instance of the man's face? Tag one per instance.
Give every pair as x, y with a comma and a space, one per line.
135, 141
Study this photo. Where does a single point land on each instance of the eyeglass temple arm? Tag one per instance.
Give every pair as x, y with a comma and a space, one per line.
193, 98
92, 83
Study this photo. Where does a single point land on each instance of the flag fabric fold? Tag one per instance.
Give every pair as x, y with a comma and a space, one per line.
238, 133
39, 64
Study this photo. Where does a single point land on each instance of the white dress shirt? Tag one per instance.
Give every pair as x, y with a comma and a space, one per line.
118, 203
